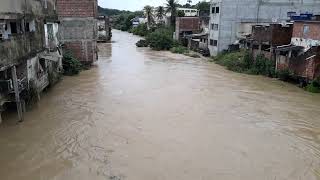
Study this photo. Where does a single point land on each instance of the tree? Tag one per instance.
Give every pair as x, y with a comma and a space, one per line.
172, 7
181, 14
148, 10
203, 7
160, 13
189, 1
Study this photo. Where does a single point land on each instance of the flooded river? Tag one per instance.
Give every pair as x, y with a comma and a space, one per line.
145, 115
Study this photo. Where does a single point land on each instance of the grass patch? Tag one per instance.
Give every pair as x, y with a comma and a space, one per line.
179, 50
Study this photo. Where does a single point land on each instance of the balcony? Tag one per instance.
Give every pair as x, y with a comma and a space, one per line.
19, 47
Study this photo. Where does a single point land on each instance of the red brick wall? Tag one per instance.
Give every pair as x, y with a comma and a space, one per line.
188, 24
314, 30
84, 51
77, 8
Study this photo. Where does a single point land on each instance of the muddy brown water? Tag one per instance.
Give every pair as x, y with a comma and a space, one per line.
145, 115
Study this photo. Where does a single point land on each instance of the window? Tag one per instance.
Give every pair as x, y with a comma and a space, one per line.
215, 43
211, 42
306, 30
14, 28
217, 10
27, 27
215, 27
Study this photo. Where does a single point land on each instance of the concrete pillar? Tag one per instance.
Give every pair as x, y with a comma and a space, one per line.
23, 104
260, 48
17, 92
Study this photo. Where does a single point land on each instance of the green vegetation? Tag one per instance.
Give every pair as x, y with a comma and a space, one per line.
161, 39
111, 12
160, 13
148, 12
140, 30
203, 7
234, 61
314, 86
142, 43
179, 50
181, 14
263, 66
284, 74
71, 65
172, 6
243, 62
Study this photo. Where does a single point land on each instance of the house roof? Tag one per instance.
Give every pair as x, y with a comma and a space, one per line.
289, 47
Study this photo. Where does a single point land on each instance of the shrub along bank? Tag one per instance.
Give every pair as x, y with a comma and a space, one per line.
161, 39
243, 62
71, 65
140, 30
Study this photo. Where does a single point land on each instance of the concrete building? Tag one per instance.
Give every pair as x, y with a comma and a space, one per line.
30, 58
78, 28
104, 29
186, 26
306, 33
231, 20
302, 56
266, 38
137, 21
188, 12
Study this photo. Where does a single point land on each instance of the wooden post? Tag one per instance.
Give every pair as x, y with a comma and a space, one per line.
17, 92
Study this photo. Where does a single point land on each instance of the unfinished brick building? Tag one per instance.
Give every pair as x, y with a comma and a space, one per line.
302, 56
78, 28
265, 39
186, 26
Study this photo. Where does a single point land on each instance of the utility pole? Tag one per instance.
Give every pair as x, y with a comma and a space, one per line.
17, 92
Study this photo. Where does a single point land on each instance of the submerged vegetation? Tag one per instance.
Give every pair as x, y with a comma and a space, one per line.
314, 86
71, 65
179, 50
142, 43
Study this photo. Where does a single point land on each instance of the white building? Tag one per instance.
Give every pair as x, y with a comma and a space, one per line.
138, 20
188, 12
230, 20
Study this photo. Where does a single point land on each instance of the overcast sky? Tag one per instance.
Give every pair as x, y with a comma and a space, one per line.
134, 5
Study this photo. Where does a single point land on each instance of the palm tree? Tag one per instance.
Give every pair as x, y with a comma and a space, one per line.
160, 13
172, 7
148, 11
